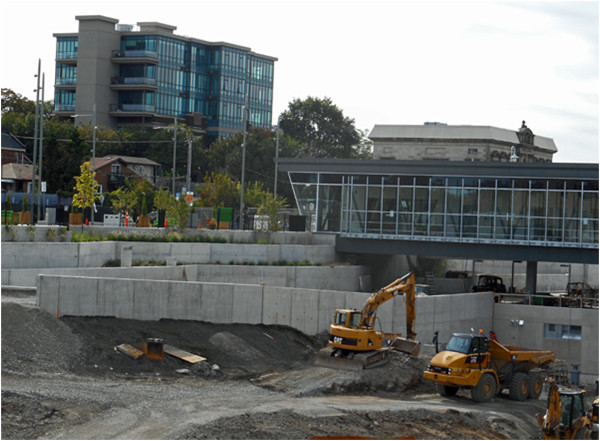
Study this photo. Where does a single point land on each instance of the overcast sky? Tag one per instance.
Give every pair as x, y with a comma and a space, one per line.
382, 62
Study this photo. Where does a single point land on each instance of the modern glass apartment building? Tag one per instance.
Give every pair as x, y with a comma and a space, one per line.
547, 205
149, 76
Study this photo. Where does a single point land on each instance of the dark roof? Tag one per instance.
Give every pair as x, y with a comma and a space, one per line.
9, 141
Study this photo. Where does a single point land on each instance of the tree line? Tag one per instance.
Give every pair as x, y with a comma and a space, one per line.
309, 128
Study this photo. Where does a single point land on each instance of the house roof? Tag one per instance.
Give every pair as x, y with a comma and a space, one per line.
101, 162
9, 141
19, 172
442, 131
134, 160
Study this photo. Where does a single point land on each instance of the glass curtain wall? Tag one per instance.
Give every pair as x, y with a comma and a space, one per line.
461, 209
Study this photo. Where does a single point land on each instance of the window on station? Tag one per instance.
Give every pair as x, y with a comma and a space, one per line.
562, 332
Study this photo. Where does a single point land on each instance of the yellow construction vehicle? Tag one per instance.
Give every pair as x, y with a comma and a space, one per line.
353, 340
565, 416
486, 368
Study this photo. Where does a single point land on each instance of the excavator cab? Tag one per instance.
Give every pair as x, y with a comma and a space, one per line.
348, 317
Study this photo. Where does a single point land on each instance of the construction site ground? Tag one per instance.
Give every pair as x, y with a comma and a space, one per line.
63, 379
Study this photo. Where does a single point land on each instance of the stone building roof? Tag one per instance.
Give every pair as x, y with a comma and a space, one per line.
443, 132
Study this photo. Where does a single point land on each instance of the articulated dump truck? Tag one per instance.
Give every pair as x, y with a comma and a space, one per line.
487, 367
353, 341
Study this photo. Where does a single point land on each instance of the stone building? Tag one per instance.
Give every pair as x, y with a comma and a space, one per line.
438, 141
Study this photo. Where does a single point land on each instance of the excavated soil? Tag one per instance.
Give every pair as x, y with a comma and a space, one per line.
63, 379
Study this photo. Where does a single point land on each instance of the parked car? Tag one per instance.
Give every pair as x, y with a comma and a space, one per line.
489, 283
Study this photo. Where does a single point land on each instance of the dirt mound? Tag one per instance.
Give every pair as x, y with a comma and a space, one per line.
421, 424
402, 374
35, 341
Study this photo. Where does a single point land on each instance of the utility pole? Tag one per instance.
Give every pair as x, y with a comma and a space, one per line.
39, 188
276, 158
189, 163
35, 139
245, 134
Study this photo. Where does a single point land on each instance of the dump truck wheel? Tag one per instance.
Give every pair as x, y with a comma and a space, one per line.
447, 391
519, 387
485, 389
536, 384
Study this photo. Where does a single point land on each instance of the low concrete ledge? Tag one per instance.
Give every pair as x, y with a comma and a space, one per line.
18, 291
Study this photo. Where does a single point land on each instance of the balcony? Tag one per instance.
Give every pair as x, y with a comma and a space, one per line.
131, 110
131, 57
133, 83
66, 57
66, 83
64, 109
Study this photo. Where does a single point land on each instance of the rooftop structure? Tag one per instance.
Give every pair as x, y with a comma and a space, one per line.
438, 141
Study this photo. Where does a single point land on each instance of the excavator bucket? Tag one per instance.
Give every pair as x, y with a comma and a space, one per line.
350, 360
410, 347
153, 348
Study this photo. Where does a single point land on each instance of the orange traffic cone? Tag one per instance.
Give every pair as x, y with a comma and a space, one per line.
87, 222
166, 223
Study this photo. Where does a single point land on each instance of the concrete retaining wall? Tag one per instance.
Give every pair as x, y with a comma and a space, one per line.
531, 334
308, 310
344, 278
96, 254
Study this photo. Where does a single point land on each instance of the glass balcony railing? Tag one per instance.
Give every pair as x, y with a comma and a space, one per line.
64, 107
64, 55
132, 108
66, 81
135, 54
133, 81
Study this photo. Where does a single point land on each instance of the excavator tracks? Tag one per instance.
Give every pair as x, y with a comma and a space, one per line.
351, 360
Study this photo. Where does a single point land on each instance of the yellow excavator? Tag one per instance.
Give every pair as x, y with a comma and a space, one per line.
565, 416
354, 342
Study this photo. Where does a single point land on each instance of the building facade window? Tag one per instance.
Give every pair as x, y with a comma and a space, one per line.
497, 210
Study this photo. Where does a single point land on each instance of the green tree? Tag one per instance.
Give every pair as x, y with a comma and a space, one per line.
13, 102
180, 212
86, 187
219, 190
270, 206
322, 128
163, 199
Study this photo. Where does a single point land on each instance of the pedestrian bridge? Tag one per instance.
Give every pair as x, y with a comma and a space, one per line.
492, 210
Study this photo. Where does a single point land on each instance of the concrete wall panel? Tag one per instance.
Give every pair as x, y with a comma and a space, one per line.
305, 311
47, 294
277, 305
115, 298
150, 299
247, 304
217, 302
185, 301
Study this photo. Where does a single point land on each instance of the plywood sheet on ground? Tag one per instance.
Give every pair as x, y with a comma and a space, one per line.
184, 355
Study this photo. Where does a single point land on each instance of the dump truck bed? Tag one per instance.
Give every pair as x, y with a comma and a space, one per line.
520, 354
